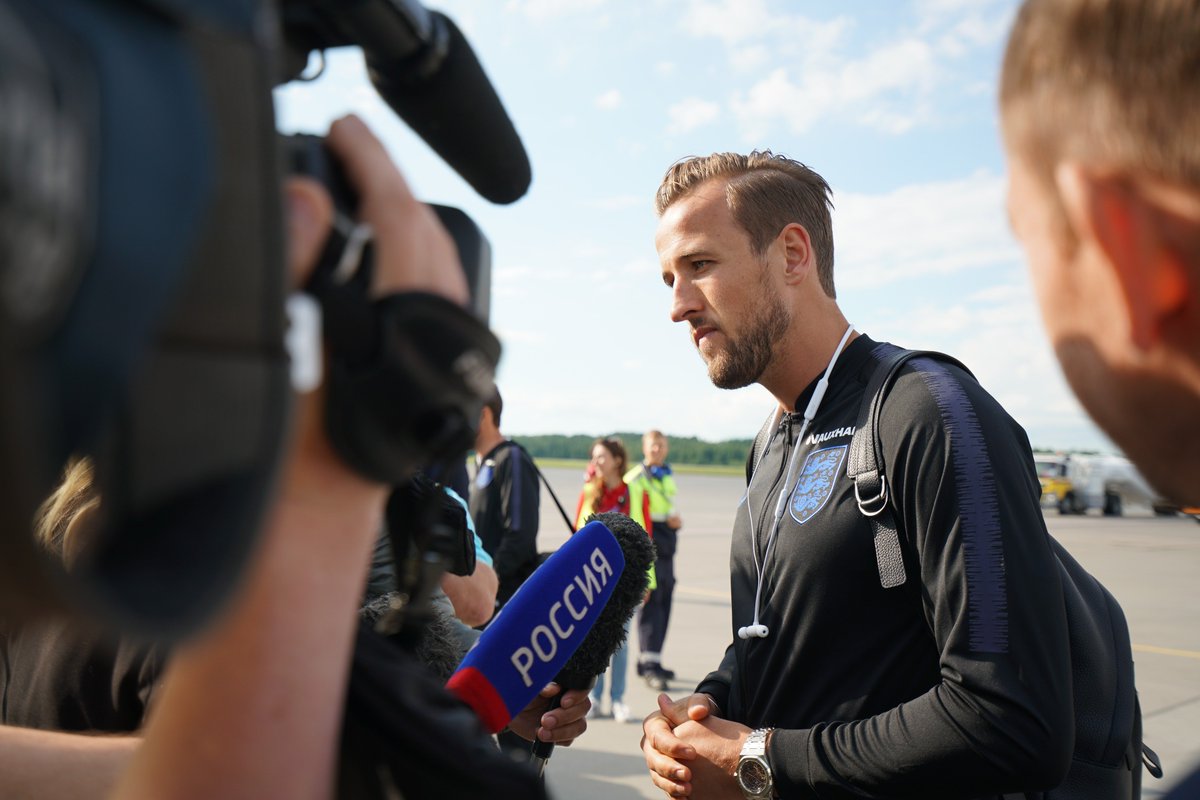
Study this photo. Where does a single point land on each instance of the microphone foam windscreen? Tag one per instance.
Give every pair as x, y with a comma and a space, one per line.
540, 627
591, 659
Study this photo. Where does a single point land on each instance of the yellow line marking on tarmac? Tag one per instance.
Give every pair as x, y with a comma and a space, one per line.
1166, 651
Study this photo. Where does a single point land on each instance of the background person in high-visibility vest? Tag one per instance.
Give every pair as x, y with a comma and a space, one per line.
652, 479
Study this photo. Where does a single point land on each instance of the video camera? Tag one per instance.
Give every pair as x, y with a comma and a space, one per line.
142, 282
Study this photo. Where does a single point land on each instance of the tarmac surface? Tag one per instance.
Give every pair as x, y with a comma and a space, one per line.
1150, 564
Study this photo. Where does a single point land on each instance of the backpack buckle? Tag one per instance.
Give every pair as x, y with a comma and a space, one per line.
872, 506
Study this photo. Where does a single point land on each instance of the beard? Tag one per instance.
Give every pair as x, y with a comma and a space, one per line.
1150, 416
746, 357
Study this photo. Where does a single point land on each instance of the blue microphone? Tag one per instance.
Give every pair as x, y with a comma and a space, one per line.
540, 627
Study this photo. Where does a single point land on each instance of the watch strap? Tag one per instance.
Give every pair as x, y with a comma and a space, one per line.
756, 742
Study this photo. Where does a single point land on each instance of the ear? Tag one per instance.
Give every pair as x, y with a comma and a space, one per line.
1109, 215
799, 258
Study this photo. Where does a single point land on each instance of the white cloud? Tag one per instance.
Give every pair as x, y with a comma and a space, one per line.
888, 122
882, 90
902, 65
921, 229
996, 332
602, 406
619, 202
509, 336
959, 26
639, 266
819, 74
900, 258
514, 273
609, 100
731, 21
749, 59
690, 114
549, 9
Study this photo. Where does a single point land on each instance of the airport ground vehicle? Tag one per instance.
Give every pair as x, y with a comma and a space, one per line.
1076, 483
1058, 490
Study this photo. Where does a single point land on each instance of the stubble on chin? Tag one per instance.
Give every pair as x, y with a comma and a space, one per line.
743, 360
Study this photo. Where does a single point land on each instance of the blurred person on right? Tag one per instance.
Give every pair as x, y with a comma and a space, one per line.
1100, 111
1101, 124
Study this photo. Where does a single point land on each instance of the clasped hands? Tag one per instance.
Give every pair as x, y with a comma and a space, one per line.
692, 752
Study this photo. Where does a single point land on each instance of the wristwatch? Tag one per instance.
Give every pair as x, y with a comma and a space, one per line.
753, 770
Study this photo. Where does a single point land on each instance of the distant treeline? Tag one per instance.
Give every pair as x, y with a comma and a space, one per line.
684, 450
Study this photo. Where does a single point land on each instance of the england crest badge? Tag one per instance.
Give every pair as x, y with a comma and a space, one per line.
815, 484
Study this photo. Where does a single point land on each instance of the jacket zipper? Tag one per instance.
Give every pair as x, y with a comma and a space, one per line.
768, 512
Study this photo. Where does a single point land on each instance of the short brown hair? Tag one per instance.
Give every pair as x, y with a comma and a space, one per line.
496, 403
1109, 82
765, 192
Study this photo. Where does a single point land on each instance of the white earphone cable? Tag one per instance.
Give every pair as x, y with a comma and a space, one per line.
757, 629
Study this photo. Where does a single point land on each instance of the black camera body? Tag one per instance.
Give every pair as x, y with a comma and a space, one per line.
408, 373
142, 150
139, 142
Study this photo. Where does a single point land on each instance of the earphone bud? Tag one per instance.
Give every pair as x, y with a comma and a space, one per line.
753, 632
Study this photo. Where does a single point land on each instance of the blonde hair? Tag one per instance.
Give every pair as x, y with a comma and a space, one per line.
63, 519
765, 192
1114, 83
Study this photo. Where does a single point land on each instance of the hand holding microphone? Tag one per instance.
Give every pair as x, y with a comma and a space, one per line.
564, 623
556, 715
592, 657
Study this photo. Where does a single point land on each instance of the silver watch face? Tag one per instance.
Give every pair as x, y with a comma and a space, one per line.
753, 776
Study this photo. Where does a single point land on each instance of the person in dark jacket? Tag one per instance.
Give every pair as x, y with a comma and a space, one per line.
504, 502
952, 683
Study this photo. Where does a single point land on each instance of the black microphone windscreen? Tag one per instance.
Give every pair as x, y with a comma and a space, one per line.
455, 109
591, 659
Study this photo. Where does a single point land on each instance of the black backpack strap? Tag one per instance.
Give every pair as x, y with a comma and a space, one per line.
546, 483
864, 465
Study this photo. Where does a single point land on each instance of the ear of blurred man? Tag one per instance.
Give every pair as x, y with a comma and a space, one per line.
1113, 218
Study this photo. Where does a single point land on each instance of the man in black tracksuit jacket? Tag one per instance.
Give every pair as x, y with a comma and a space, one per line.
954, 684
953, 679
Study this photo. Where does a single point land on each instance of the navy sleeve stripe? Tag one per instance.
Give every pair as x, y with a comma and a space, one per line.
979, 510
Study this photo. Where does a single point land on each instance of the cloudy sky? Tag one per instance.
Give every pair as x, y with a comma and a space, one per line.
892, 101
